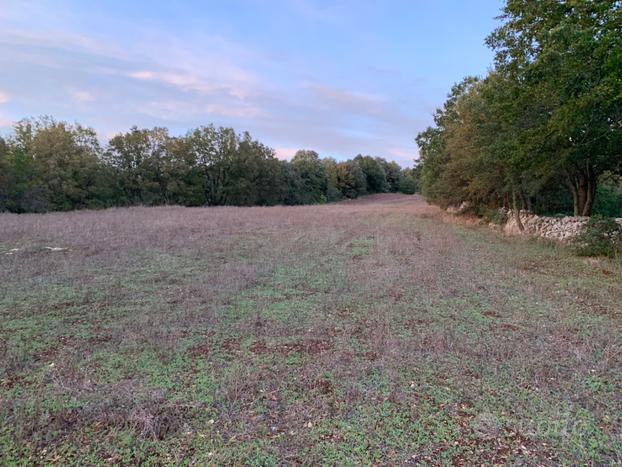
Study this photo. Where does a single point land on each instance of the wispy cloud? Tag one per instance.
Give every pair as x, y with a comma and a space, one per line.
67, 41
4, 97
82, 96
176, 110
148, 73
179, 80
187, 82
345, 99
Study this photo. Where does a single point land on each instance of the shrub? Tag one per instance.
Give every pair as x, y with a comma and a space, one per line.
601, 236
496, 216
609, 199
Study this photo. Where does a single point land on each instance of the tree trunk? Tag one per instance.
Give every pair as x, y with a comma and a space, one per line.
519, 223
582, 189
523, 200
591, 192
575, 197
582, 185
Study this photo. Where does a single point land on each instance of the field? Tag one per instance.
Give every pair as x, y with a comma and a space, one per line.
370, 332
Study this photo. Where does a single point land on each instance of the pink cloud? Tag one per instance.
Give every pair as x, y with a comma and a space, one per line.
284, 153
6, 122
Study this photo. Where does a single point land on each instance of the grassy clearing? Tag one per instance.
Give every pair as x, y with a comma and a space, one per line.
362, 332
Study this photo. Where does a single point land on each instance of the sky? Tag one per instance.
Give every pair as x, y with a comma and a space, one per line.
339, 77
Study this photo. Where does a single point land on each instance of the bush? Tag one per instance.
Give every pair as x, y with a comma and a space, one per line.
608, 201
600, 237
408, 183
496, 216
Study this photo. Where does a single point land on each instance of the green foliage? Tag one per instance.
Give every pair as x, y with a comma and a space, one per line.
6, 176
567, 55
294, 185
345, 180
375, 174
310, 171
47, 165
50, 165
141, 157
445, 171
207, 166
600, 237
409, 180
332, 191
392, 172
255, 176
609, 198
553, 199
547, 118
351, 180
496, 216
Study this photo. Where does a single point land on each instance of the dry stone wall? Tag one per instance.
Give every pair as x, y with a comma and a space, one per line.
553, 228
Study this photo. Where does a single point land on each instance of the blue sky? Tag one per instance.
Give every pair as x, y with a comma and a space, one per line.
341, 77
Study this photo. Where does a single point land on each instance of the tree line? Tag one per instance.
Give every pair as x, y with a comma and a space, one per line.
49, 165
543, 130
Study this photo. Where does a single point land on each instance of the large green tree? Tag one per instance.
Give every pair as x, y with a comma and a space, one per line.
333, 193
392, 174
214, 150
409, 181
568, 55
142, 159
440, 184
375, 175
312, 175
255, 175
7, 185
55, 166
351, 180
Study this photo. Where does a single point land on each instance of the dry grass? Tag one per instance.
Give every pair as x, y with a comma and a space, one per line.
367, 331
